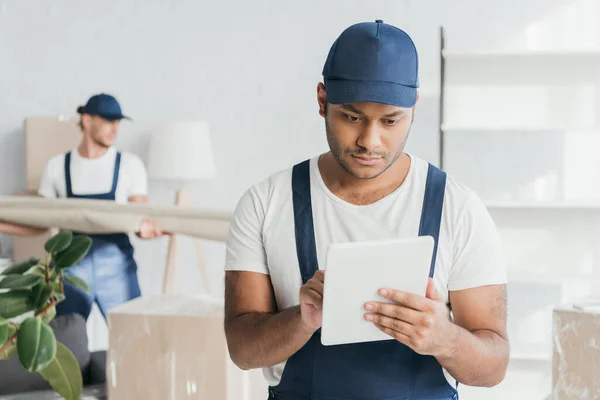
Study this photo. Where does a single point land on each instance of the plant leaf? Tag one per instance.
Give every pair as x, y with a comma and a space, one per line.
22, 267
36, 344
77, 282
64, 374
49, 316
38, 271
58, 242
15, 303
41, 295
20, 281
74, 253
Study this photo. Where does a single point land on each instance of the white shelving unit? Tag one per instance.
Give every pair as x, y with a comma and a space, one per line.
586, 54
500, 128
508, 103
557, 278
553, 206
530, 356
570, 62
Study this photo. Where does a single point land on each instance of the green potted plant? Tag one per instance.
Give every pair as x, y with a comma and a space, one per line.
29, 293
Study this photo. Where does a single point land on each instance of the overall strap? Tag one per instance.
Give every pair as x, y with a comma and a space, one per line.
431, 216
115, 181
303, 221
68, 174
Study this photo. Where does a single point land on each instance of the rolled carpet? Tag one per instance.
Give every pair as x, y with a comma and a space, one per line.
104, 216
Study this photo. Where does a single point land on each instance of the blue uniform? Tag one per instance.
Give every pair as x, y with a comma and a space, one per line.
109, 267
386, 370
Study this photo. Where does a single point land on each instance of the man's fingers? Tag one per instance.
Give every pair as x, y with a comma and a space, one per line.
315, 285
391, 323
315, 298
432, 292
401, 337
410, 300
319, 275
408, 315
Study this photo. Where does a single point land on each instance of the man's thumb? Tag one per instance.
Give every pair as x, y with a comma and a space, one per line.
432, 292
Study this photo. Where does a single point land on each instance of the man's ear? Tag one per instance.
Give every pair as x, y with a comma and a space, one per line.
86, 120
321, 98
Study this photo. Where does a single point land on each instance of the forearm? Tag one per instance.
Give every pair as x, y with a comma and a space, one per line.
476, 358
20, 230
258, 340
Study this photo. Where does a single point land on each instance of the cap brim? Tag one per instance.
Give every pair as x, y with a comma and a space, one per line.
114, 117
346, 92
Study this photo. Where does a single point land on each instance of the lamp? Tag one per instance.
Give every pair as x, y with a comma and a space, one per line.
181, 152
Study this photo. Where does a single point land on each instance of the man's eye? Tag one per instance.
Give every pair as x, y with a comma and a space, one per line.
351, 118
390, 122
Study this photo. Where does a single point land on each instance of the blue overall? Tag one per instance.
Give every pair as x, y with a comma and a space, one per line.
385, 370
109, 267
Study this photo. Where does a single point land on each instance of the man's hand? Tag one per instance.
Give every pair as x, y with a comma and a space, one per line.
311, 301
149, 229
421, 323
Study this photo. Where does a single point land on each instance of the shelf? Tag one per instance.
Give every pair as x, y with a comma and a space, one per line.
531, 356
546, 277
516, 128
544, 205
592, 53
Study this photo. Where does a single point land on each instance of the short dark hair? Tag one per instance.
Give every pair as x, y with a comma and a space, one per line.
80, 112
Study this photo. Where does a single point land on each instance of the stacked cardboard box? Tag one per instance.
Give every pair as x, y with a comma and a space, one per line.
171, 347
576, 351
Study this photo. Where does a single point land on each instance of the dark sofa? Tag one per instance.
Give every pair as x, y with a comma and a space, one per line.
71, 331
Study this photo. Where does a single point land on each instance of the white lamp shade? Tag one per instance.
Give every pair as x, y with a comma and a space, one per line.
181, 151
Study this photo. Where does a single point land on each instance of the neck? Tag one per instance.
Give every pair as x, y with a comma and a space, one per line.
362, 191
90, 149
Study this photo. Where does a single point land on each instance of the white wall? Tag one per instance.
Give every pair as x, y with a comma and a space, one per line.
249, 68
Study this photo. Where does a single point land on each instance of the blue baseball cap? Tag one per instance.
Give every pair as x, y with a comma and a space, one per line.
372, 62
103, 105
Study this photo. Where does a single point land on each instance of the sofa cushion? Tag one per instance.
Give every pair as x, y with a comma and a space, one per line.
69, 330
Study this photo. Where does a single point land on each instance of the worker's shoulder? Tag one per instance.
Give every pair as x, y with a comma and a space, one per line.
128, 158
459, 197
57, 159
272, 186
56, 163
457, 194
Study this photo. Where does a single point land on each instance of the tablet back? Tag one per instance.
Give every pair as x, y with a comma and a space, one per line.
354, 273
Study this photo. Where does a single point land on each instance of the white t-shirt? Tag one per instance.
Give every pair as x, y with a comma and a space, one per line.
261, 237
95, 175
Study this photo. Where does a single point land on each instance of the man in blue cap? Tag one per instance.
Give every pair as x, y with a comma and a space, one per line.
366, 188
96, 170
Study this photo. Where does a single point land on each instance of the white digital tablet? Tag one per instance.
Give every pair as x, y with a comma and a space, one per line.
354, 273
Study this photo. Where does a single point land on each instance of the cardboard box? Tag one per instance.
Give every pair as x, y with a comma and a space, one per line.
576, 351
44, 138
24, 248
171, 347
